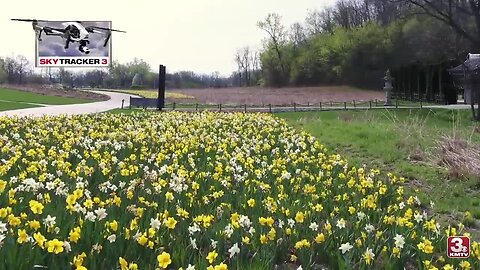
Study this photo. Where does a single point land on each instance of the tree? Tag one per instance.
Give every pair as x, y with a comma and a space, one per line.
3, 74
462, 16
276, 31
297, 34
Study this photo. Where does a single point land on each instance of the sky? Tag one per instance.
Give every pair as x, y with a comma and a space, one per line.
196, 35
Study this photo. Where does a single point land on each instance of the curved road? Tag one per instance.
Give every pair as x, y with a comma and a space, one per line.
114, 102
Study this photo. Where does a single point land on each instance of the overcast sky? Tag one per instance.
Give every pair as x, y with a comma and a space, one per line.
197, 35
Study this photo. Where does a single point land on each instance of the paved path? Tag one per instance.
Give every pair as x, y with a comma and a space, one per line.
114, 102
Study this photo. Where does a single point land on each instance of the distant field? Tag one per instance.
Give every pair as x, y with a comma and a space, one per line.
6, 105
154, 94
279, 96
7, 94
261, 95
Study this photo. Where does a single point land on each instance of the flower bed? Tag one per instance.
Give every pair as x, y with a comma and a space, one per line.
201, 191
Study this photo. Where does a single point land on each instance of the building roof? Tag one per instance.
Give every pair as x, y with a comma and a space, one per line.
470, 66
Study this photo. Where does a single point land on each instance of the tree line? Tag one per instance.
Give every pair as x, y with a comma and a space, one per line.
355, 41
136, 74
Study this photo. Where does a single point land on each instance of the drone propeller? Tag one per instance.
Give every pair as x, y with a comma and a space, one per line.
29, 20
108, 29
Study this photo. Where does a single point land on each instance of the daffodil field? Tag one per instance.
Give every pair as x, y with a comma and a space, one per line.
201, 191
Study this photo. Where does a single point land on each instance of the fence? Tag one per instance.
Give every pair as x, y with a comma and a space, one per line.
294, 107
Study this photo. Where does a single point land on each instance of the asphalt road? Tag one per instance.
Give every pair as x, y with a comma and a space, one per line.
114, 102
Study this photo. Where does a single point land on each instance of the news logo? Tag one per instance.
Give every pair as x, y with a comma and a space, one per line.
458, 247
72, 43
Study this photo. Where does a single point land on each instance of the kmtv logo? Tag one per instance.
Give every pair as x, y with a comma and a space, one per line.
458, 247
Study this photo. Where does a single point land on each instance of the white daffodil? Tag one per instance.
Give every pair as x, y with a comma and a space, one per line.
399, 241
341, 223
3, 227
50, 221
345, 247
213, 243
193, 243
155, 223
112, 238
234, 250
313, 226
418, 218
101, 213
90, 216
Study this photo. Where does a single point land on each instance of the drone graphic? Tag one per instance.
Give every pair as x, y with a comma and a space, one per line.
72, 32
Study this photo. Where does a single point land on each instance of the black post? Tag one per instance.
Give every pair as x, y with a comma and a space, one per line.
396, 103
220, 106
345, 105
161, 87
270, 107
245, 107
196, 106
370, 102
354, 105
123, 101
320, 105
174, 106
294, 107
130, 104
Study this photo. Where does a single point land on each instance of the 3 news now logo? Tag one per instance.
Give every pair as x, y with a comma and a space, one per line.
458, 247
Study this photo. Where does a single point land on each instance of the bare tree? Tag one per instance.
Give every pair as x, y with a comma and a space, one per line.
297, 34
240, 65
246, 66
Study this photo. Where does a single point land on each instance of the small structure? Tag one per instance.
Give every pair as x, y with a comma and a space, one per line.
467, 78
388, 88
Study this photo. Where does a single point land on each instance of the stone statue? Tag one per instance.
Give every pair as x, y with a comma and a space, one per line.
388, 88
137, 80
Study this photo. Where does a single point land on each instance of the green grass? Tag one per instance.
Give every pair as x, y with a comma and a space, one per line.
5, 106
400, 141
23, 96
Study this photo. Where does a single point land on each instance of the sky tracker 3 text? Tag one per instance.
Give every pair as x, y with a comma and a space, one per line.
73, 61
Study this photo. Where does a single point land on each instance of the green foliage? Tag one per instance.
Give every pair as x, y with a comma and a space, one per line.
360, 55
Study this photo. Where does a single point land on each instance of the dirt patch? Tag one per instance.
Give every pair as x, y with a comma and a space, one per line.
49, 91
282, 96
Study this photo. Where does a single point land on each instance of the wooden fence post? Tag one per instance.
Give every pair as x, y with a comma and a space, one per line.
220, 106
345, 105
320, 105
270, 107
370, 103
196, 106
245, 107
173, 105
294, 107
